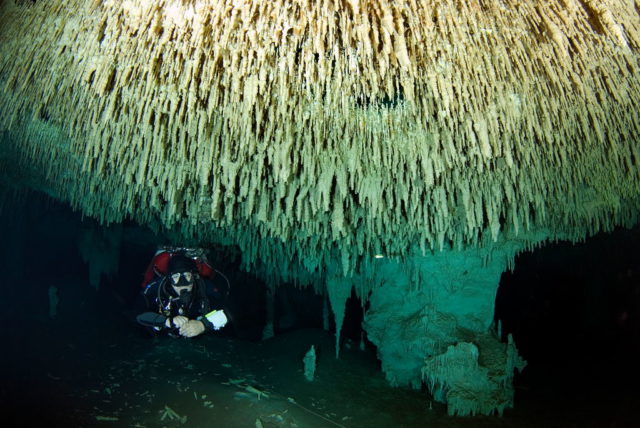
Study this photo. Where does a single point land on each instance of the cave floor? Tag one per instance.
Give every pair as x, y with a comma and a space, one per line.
84, 374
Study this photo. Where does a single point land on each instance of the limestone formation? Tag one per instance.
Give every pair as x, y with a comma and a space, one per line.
315, 134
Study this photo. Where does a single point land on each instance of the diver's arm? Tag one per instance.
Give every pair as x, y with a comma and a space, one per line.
152, 319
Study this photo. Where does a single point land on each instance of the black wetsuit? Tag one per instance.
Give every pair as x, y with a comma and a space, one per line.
159, 298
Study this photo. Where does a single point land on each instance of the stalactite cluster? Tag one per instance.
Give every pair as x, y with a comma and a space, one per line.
323, 132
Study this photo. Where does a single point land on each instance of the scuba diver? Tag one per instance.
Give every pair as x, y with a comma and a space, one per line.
179, 296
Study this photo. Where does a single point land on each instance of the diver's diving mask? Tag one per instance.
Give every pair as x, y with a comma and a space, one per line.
182, 279
182, 283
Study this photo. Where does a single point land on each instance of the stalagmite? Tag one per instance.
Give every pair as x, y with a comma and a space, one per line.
309, 361
468, 387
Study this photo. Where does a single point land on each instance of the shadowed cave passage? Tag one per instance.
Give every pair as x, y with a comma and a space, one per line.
561, 303
574, 313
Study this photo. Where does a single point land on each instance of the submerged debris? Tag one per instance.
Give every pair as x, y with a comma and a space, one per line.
169, 413
107, 418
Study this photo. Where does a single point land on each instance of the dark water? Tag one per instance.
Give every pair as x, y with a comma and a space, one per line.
90, 365
94, 368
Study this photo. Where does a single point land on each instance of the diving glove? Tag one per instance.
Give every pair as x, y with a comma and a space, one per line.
217, 318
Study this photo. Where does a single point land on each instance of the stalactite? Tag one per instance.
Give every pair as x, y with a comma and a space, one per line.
338, 292
305, 127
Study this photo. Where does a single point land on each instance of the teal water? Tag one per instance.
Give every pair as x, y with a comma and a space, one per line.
92, 366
